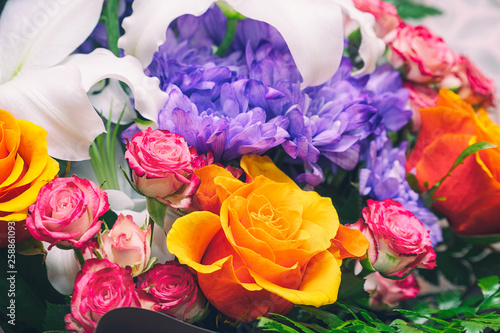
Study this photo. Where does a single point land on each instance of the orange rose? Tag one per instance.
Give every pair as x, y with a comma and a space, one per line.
472, 191
25, 167
270, 245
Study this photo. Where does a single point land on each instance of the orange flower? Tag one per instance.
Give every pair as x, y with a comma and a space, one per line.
472, 191
25, 167
270, 245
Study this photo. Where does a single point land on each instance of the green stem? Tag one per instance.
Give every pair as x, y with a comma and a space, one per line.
79, 256
112, 25
232, 24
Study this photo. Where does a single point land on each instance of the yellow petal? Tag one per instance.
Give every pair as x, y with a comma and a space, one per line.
255, 165
319, 286
189, 238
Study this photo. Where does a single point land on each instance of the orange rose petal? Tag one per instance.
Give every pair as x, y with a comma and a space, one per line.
206, 195
349, 243
439, 156
319, 286
255, 165
16, 171
225, 186
20, 203
9, 143
188, 244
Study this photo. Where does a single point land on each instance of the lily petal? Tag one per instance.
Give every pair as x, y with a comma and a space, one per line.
53, 98
371, 47
62, 267
102, 63
319, 37
40, 34
112, 96
145, 29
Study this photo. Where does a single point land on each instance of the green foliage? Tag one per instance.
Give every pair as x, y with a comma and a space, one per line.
409, 9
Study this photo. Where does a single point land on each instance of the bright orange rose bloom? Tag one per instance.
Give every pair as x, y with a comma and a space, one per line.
270, 246
25, 167
472, 192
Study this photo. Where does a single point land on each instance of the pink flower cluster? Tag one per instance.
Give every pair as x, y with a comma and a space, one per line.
427, 62
102, 286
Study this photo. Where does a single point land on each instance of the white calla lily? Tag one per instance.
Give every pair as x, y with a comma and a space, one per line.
313, 30
39, 83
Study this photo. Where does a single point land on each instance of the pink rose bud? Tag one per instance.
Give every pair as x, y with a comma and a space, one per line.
387, 293
126, 244
175, 289
423, 56
398, 240
100, 286
162, 166
67, 212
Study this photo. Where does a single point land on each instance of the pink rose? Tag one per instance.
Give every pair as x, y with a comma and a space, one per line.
386, 15
423, 56
174, 287
67, 211
473, 86
387, 293
126, 244
100, 286
398, 240
162, 166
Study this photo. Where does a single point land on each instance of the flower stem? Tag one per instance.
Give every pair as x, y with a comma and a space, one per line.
112, 25
232, 24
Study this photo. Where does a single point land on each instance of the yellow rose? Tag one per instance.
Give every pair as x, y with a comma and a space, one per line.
272, 244
25, 167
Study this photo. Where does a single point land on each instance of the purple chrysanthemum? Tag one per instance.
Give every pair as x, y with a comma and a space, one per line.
385, 177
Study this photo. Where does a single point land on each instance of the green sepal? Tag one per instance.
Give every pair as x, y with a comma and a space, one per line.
30, 247
157, 211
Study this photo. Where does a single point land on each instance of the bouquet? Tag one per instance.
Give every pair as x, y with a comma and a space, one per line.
237, 166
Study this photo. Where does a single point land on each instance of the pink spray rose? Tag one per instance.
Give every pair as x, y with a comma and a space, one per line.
67, 212
175, 289
126, 244
386, 15
387, 293
423, 56
398, 240
100, 286
474, 87
162, 166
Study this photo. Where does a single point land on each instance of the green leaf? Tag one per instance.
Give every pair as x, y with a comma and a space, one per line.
404, 327
330, 319
157, 210
408, 9
482, 240
270, 325
54, 319
110, 17
490, 287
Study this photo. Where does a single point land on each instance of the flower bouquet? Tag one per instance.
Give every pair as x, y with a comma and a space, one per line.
244, 166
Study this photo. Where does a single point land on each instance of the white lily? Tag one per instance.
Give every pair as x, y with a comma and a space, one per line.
41, 83
313, 30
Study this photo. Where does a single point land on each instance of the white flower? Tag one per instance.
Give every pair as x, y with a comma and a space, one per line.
313, 30
41, 83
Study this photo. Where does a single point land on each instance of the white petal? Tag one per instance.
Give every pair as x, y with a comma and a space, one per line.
371, 47
145, 29
101, 64
312, 29
62, 267
119, 201
113, 98
40, 34
55, 100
